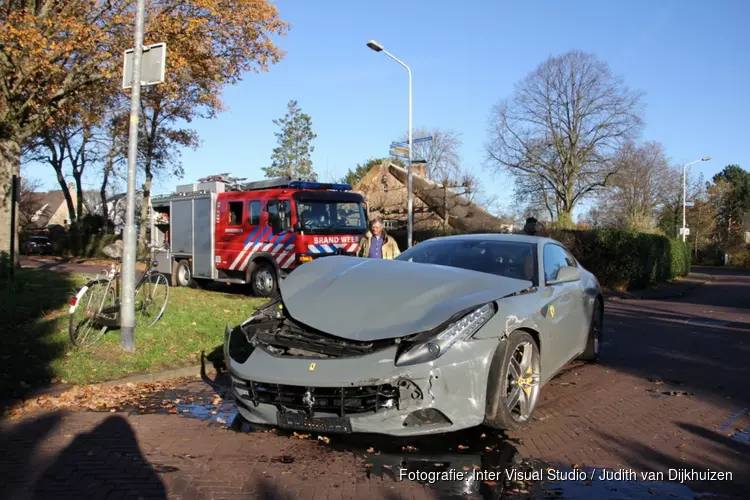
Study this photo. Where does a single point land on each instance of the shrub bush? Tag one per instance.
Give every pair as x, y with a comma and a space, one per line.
620, 259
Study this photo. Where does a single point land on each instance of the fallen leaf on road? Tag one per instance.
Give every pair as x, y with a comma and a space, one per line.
409, 448
220, 420
216, 400
483, 436
462, 447
301, 436
324, 439
683, 445
367, 466
490, 483
466, 467
371, 450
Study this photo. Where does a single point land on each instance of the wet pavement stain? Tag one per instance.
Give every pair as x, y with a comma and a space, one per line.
478, 463
742, 435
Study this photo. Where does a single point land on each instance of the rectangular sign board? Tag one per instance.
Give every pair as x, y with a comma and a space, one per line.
415, 141
153, 65
685, 231
403, 150
398, 154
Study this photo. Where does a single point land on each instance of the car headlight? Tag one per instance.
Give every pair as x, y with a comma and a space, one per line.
422, 351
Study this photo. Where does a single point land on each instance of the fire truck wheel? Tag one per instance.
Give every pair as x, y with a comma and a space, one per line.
264, 281
182, 275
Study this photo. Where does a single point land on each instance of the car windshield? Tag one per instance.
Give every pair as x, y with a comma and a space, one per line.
502, 258
331, 216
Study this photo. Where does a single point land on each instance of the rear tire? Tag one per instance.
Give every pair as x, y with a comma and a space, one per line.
594, 341
514, 383
82, 326
264, 280
181, 274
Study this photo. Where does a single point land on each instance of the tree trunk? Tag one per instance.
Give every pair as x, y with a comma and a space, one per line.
66, 192
79, 197
103, 195
10, 165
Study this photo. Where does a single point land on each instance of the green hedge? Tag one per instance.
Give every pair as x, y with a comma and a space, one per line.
620, 259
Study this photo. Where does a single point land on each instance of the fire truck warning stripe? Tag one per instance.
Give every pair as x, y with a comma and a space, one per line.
254, 236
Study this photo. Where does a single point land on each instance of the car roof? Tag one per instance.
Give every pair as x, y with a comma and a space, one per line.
512, 238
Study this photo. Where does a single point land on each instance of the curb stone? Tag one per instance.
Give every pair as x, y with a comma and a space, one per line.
188, 371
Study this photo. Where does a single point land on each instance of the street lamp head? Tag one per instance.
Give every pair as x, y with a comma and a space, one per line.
375, 46
705, 158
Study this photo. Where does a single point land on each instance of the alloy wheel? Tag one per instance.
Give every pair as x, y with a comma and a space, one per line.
522, 382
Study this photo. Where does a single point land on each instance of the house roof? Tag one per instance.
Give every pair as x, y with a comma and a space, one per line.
43, 206
463, 214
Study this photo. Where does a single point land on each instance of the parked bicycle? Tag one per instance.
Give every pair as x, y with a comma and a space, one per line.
96, 306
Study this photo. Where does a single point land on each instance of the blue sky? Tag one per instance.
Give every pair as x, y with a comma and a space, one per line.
691, 58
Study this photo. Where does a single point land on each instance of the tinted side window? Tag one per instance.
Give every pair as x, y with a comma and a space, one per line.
253, 217
285, 215
273, 214
555, 257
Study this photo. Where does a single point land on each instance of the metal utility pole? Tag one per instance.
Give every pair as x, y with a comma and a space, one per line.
683, 231
377, 47
130, 247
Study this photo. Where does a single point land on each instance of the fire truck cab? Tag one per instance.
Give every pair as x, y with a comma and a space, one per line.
254, 233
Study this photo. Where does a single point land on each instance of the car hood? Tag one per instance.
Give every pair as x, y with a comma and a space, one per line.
371, 299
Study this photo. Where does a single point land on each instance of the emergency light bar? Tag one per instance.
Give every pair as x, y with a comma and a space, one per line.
319, 185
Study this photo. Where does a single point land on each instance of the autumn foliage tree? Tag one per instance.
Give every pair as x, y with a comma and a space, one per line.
211, 44
50, 51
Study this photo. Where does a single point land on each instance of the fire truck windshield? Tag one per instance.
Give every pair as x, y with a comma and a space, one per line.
331, 217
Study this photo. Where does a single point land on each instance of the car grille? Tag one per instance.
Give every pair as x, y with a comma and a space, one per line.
341, 401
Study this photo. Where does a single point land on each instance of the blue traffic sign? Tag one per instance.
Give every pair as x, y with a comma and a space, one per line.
416, 141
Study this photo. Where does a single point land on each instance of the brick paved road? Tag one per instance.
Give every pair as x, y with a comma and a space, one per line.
590, 415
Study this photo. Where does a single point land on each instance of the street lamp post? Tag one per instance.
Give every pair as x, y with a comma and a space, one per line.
684, 191
377, 47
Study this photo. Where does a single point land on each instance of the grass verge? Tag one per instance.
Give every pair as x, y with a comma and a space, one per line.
35, 348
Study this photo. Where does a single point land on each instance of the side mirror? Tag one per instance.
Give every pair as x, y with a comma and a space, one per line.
566, 274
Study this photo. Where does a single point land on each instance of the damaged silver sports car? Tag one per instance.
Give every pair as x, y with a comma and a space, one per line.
456, 332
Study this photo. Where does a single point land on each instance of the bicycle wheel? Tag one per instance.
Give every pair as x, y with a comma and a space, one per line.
151, 298
83, 326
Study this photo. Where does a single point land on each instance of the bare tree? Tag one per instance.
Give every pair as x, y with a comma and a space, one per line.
441, 154
562, 126
641, 185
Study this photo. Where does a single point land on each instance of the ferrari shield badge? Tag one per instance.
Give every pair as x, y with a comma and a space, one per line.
551, 314
312, 367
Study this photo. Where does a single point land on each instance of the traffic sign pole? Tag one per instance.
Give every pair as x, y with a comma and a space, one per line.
127, 308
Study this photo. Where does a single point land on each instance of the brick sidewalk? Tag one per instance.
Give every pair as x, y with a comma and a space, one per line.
606, 415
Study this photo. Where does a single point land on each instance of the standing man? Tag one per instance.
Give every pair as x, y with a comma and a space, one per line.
376, 244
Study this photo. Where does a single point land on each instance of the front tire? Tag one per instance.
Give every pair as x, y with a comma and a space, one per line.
517, 382
264, 280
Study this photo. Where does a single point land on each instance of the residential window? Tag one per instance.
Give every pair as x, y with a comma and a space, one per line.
235, 213
253, 217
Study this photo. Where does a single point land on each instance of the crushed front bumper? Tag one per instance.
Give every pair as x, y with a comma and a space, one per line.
365, 394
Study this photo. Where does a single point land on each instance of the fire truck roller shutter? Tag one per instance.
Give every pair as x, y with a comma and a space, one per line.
262, 274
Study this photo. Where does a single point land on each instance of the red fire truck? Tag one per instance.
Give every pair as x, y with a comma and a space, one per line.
222, 230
